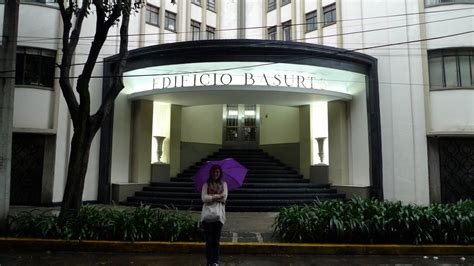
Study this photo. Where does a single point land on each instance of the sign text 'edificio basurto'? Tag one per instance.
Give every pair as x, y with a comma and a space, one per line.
245, 79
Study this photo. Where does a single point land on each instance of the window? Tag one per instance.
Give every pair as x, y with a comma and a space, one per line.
311, 21
272, 33
35, 67
195, 30
35, 1
446, 2
284, 2
286, 29
196, 2
451, 68
271, 5
211, 32
170, 21
329, 14
152, 14
211, 5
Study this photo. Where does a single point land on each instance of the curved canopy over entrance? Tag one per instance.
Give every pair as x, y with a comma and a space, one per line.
241, 82
250, 72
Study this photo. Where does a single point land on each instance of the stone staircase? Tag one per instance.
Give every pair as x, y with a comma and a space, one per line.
269, 186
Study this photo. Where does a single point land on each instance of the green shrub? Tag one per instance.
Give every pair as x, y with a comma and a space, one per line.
108, 223
373, 221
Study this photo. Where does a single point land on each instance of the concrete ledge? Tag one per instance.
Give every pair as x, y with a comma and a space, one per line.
232, 248
353, 191
120, 191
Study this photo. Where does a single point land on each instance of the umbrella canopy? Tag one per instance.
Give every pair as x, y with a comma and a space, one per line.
233, 173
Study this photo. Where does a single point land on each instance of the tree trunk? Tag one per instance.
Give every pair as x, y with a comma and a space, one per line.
77, 169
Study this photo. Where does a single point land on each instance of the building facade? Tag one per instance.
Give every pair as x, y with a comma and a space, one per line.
378, 93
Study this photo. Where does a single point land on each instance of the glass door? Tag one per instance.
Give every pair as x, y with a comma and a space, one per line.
241, 126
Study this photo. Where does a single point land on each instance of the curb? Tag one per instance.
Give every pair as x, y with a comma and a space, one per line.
231, 248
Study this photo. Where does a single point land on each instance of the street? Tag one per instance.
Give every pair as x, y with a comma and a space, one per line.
92, 258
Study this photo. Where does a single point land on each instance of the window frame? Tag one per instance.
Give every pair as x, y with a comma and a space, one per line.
271, 5
42, 54
211, 7
210, 30
457, 53
285, 2
314, 15
147, 12
170, 16
284, 26
449, 2
195, 25
331, 8
272, 30
196, 2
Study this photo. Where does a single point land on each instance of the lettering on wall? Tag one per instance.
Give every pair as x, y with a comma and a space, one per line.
244, 79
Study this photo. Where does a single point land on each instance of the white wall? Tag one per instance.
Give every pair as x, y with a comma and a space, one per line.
120, 167
279, 124
404, 151
47, 30
358, 137
452, 111
202, 124
253, 18
450, 22
228, 14
39, 117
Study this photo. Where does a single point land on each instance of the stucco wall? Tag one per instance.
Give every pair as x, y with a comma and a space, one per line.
202, 124
402, 103
279, 124
452, 111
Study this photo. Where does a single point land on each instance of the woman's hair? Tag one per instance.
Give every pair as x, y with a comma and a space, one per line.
214, 167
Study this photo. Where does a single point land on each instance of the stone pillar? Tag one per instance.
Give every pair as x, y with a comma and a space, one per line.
338, 143
142, 123
7, 92
305, 140
175, 140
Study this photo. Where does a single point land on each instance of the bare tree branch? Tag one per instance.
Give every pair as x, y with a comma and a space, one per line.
65, 67
117, 80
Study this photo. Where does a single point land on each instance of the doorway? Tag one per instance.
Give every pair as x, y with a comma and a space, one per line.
241, 126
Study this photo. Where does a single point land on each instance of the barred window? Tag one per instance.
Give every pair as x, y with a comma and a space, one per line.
35, 67
152, 15
451, 68
311, 21
272, 33
286, 30
285, 2
429, 3
211, 32
329, 14
211, 5
170, 21
196, 2
196, 30
271, 5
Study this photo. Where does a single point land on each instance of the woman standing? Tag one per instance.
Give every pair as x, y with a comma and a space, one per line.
213, 195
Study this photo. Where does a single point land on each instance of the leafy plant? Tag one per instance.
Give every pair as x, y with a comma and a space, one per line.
111, 223
373, 221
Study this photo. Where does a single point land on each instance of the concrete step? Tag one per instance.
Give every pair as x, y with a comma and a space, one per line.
191, 189
247, 185
235, 196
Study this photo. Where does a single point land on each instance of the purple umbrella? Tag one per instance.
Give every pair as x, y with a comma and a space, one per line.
233, 173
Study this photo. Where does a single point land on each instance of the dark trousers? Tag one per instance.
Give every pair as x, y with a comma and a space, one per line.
212, 234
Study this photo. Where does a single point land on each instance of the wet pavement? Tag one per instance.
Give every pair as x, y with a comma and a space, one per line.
92, 258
